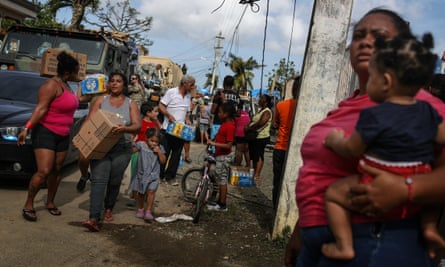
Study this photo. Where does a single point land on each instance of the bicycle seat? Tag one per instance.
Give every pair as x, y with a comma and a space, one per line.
211, 159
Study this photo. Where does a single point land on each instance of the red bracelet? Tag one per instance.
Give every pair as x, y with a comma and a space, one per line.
29, 125
409, 182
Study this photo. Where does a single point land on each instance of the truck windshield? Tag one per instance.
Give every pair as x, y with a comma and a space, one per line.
33, 45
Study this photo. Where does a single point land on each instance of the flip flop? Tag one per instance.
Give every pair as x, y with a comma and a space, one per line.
29, 215
54, 211
108, 215
91, 225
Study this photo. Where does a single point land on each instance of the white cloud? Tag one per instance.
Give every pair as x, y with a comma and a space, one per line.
185, 30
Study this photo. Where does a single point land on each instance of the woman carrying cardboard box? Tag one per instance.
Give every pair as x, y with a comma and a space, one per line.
107, 173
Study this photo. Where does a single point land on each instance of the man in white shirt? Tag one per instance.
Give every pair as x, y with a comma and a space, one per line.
175, 105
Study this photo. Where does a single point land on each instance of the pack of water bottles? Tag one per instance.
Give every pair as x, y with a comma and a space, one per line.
241, 176
181, 130
94, 84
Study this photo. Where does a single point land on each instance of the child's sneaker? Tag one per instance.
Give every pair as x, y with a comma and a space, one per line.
140, 213
217, 207
148, 217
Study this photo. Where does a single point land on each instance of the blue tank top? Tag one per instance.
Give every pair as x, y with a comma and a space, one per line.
124, 114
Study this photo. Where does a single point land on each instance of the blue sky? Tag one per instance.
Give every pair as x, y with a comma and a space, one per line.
185, 31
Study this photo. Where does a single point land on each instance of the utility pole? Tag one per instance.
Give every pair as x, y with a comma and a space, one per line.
218, 48
442, 65
322, 67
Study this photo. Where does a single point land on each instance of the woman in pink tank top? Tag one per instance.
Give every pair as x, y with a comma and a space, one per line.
50, 123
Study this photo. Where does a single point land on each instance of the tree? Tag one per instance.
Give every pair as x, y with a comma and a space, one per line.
243, 71
44, 18
123, 18
282, 72
208, 82
78, 10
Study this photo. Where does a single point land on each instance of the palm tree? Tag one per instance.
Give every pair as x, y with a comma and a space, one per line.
243, 72
208, 82
78, 7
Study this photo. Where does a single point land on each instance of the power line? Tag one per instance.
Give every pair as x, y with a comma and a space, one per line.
236, 29
194, 48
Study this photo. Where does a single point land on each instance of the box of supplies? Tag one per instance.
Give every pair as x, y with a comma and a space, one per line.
48, 67
94, 84
181, 130
95, 139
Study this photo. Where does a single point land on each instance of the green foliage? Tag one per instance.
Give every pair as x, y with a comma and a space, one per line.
282, 71
243, 71
208, 82
44, 18
282, 240
7, 23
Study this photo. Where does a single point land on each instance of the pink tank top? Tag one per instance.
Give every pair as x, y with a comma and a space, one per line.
59, 117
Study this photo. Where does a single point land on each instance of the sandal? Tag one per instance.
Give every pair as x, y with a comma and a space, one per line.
140, 213
91, 225
108, 215
188, 160
29, 215
54, 211
148, 217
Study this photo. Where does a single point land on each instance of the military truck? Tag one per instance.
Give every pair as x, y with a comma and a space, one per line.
23, 47
158, 73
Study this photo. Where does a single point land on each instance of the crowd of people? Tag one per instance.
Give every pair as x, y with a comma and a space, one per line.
372, 174
153, 154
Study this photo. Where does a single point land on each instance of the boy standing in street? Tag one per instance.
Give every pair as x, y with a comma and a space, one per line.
223, 148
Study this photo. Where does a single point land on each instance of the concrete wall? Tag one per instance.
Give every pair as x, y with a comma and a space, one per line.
323, 63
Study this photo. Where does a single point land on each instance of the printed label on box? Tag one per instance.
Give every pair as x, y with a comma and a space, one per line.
49, 63
181, 130
94, 84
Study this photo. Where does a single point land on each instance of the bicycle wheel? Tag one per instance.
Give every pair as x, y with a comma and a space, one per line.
189, 182
200, 201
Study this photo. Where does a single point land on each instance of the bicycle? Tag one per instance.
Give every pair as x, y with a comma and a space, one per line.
198, 185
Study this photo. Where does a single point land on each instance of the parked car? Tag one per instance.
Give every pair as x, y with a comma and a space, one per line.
18, 98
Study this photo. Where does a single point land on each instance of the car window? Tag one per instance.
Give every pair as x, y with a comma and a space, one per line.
20, 88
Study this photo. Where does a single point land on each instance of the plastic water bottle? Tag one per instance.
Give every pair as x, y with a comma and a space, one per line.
181, 160
243, 179
235, 177
251, 177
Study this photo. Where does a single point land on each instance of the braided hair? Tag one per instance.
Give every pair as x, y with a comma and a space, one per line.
410, 59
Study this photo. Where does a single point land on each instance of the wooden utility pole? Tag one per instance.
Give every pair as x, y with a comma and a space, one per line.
442, 65
318, 94
218, 48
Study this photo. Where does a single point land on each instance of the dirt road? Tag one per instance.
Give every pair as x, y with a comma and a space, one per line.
234, 238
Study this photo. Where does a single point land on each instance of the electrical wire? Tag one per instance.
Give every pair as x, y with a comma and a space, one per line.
218, 7
235, 32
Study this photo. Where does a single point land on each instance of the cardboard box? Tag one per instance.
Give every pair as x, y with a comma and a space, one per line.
94, 139
181, 130
48, 67
94, 84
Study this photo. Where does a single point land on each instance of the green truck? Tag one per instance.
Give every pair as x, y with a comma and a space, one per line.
22, 48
